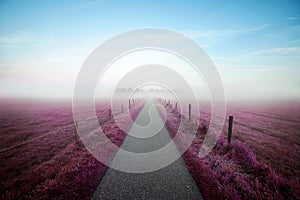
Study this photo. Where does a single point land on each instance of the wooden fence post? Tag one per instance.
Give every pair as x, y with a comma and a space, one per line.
230, 129
109, 113
122, 109
190, 114
129, 103
76, 128
175, 106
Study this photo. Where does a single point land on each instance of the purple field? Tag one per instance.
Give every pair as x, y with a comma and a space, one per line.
263, 160
40, 158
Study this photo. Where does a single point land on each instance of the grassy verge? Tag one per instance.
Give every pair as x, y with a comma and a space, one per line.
230, 173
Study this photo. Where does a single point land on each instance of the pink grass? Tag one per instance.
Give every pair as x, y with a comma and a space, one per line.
40, 158
235, 172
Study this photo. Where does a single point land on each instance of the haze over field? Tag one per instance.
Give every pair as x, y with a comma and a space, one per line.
255, 45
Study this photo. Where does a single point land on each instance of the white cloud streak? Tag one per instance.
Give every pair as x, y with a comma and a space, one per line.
81, 6
220, 33
292, 18
281, 51
10, 41
22, 39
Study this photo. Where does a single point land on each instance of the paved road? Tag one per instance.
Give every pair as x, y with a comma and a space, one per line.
171, 182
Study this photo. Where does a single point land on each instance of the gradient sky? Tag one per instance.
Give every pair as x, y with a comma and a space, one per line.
255, 44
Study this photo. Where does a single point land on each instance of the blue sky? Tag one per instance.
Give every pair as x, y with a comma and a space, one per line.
253, 43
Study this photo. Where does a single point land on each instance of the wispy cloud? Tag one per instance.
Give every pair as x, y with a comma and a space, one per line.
10, 41
282, 51
81, 6
274, 59
293, 18
226, 32
91, 3
19, 39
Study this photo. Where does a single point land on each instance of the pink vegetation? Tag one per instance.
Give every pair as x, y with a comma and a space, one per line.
231, 173
40, 158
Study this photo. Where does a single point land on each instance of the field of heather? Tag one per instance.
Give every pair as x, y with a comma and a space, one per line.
271, 130
39, 155
263, 161
41, 158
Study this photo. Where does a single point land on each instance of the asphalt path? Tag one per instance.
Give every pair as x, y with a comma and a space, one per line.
170, 182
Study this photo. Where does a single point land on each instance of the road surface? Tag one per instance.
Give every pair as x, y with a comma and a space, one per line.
171, 182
